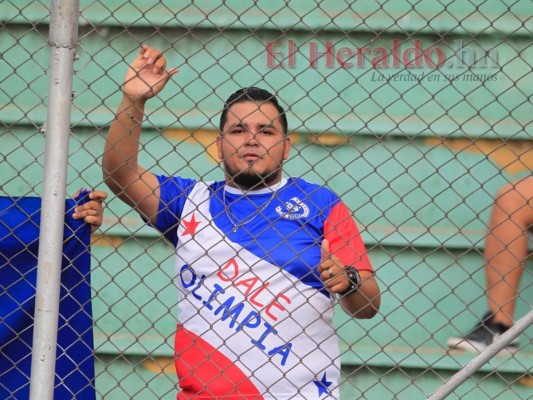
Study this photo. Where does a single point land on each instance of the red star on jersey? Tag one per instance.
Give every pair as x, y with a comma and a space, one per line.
190, 226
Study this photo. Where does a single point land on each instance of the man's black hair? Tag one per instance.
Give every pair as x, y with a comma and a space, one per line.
256, 95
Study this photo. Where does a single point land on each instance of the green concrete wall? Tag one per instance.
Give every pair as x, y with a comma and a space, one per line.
417, 154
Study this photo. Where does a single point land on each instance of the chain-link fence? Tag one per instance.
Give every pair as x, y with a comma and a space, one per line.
416, 114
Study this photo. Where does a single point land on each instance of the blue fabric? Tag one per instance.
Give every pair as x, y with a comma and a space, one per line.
19, 240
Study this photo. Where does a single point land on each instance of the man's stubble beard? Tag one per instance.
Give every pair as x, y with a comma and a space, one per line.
250, 179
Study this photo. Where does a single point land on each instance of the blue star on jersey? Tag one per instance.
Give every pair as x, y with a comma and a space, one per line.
322, 385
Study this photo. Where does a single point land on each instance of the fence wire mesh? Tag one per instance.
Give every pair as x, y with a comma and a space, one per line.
416, 114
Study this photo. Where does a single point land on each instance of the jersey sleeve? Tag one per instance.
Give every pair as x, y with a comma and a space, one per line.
173, 194
344, 238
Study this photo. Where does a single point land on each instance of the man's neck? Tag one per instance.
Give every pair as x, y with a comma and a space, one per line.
258, 189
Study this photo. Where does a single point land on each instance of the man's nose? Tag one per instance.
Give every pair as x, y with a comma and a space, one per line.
251, 138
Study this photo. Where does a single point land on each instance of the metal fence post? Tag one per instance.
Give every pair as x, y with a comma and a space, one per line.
62, 39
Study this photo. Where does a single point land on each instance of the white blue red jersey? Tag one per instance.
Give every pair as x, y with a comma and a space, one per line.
254, 318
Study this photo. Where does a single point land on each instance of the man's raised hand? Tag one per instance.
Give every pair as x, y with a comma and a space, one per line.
147, 74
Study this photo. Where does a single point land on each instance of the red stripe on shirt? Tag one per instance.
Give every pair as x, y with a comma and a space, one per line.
206, 373
344, 238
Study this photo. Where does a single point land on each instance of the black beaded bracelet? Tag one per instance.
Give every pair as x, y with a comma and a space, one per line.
355, 281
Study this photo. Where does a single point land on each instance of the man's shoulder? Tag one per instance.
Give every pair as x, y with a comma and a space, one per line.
186, 184
310, 188
177, 188
175, 180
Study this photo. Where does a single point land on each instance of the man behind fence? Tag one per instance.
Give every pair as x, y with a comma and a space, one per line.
260, 258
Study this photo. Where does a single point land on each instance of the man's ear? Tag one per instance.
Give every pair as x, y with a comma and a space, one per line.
287, 147
219, 146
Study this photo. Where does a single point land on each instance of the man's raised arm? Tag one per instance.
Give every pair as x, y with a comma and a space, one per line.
139, 188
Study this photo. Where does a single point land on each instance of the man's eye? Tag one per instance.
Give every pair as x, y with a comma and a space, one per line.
267, 132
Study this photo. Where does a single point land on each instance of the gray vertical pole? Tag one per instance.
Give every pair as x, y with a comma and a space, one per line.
62, 39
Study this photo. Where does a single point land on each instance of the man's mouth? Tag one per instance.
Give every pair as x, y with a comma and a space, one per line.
250, 157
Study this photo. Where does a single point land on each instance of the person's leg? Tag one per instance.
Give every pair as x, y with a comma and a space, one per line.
506, 247
505, 253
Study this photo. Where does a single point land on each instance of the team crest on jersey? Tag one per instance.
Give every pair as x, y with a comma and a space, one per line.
294, 209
